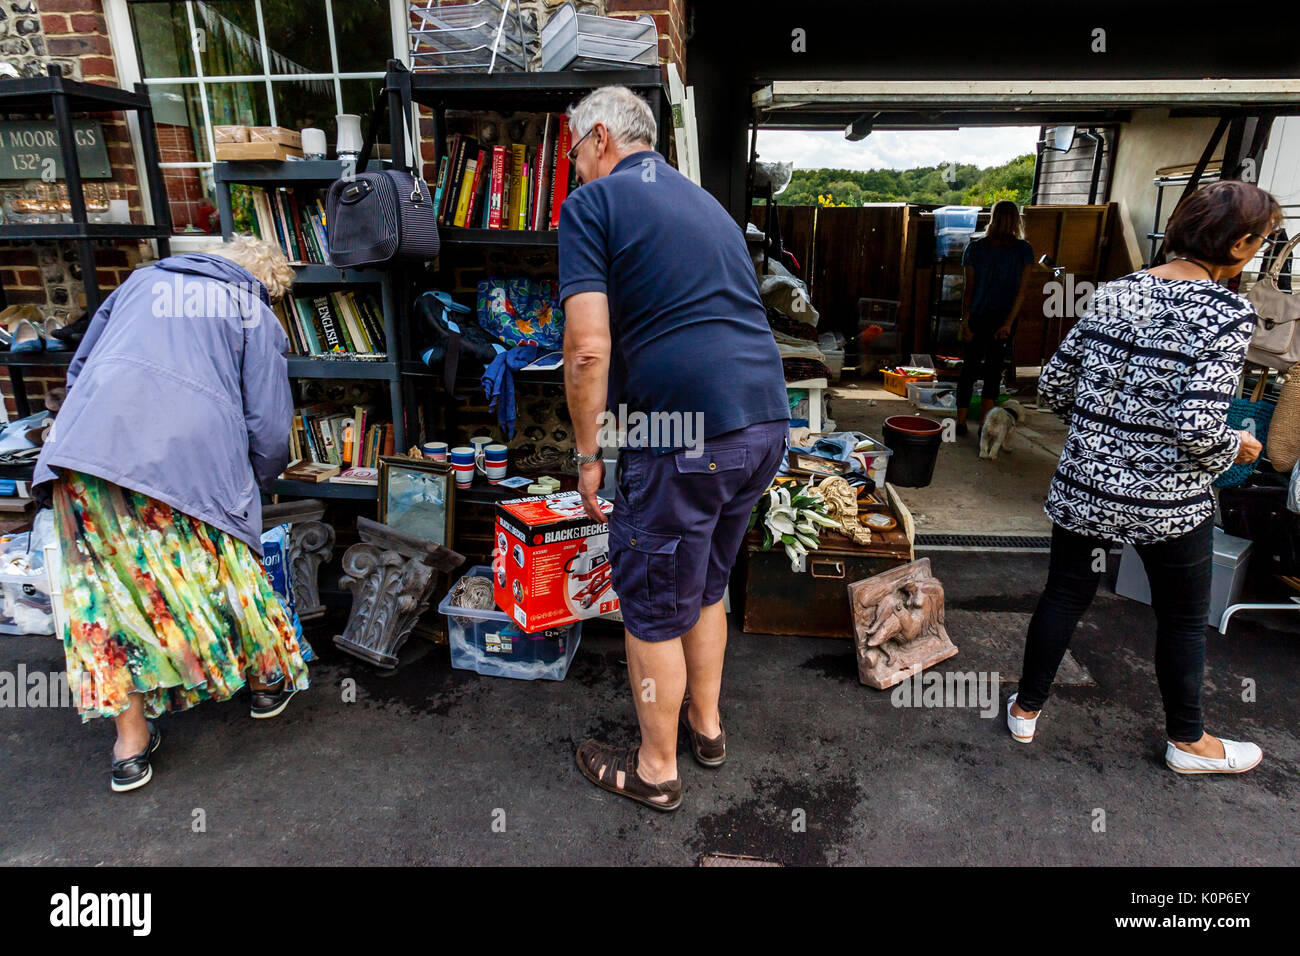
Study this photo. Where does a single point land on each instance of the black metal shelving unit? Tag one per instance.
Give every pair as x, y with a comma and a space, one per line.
56, 96
502, 93
320, 174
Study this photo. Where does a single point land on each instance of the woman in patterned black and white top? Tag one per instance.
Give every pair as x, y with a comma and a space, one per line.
1144, 379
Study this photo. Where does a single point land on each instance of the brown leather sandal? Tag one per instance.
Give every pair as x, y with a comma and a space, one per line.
708, 751
593, 757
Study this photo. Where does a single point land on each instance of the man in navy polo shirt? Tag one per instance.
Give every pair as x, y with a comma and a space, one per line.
666, 336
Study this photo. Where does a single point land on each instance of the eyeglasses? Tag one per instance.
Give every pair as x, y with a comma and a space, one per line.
574, 151
1266, 242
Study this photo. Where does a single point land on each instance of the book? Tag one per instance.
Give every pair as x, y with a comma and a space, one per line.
442, 182
307, 325
540, 193
473, 213
495, 191
466, 193
517, 186
560, 177
310, 471
357, 475
331, 341
352, 322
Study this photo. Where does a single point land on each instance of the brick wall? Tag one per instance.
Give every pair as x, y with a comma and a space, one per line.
73, 35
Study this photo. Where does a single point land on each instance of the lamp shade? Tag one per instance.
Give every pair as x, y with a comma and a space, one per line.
314, 144
349, 140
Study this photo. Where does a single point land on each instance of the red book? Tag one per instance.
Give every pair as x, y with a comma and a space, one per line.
496, 195
560, 178
479, 173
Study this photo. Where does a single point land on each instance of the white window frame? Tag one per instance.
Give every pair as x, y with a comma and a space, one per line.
118, 18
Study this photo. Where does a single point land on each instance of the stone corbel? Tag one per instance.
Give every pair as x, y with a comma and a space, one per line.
311, 544
391, 575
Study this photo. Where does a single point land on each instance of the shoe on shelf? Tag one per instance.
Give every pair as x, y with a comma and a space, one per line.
52, 342
270, 701
74, 328
21, 326
1022, 728
1238, 757
131, 773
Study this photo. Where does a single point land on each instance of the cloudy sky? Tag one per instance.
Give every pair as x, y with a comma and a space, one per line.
897, 149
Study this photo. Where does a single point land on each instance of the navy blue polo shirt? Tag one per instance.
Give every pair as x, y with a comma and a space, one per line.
688, 328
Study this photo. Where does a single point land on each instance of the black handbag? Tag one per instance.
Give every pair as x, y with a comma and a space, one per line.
378, 217
454, 334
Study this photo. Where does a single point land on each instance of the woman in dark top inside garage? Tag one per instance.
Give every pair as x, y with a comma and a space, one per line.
996, 269
1144, 379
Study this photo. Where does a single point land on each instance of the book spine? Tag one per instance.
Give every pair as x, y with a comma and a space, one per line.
442, 183
352, 319
341, 324
374, 319
466, 194
517, 187
330, 340
560, 178
496, 194
307, 325
480, 176
291, 199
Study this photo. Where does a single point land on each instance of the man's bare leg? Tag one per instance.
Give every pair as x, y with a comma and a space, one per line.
704, 646
657, 673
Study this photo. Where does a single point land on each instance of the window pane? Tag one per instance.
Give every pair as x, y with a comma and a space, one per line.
162, 39
238, 104
364, 34
303, 103
232, 45
190, 194
297, 36
359, 97
178, 117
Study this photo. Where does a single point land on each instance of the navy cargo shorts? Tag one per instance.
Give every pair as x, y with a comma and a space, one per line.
679, 522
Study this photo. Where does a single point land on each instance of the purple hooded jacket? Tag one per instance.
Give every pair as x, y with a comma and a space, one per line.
180, 391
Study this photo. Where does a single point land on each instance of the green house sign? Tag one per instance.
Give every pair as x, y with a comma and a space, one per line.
30, 150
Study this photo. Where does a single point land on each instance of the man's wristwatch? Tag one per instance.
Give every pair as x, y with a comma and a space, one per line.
585, 459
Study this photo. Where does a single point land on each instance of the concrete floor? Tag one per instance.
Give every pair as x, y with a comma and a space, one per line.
417, 770
968, 495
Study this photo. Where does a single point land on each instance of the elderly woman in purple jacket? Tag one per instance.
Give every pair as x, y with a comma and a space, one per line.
178, 409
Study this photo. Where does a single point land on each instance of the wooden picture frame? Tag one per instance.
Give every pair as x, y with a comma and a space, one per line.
802, 463
418, 496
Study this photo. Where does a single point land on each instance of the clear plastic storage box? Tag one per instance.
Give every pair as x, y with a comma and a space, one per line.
487, 642
953, 228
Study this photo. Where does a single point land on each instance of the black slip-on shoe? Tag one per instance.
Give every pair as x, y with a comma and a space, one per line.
131, 773
270, 702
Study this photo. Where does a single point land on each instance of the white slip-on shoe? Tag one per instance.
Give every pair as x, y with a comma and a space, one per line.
1022, 728
1238, 757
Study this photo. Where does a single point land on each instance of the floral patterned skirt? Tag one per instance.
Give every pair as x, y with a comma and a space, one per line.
162, 604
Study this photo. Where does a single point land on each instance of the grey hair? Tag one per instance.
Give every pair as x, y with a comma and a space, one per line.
627, 116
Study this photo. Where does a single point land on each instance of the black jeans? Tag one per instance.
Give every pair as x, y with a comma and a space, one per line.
985, 355
1179, 571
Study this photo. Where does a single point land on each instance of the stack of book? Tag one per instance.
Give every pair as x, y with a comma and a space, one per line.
325, 434
294, 219
345, 324
512, 186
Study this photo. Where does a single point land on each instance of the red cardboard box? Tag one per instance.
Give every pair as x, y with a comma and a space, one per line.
550, 564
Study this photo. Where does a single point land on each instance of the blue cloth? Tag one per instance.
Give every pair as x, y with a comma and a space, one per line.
689, 331
997, 275
180, 391
499, 382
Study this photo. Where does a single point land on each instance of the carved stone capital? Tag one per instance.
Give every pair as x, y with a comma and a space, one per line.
311, 544
898, 624
392, 576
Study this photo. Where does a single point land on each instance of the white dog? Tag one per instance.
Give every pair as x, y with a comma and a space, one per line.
999, 425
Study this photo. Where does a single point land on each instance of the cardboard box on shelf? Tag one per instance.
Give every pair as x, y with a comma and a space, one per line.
550, 562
